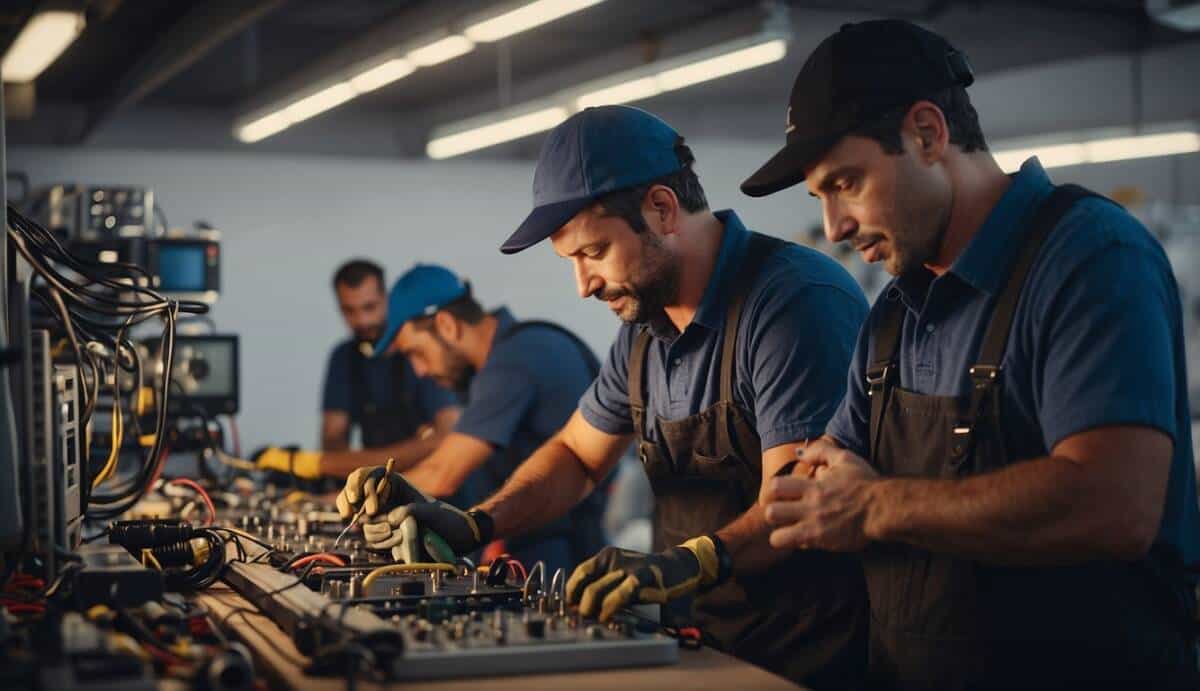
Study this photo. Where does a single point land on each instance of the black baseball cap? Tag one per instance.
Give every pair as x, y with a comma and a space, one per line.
853, 76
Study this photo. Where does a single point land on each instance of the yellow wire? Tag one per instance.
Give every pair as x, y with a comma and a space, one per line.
118, 434
404, 568
240, 463
147, 554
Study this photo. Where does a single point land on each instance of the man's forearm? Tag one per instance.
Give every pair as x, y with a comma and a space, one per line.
545, 487
745, 538
407, 452
335, 443
1046, 511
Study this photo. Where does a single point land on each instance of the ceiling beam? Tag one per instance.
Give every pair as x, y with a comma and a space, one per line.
207, 25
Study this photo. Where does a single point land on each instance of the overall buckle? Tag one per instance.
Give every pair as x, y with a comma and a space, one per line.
984, 375
875, 383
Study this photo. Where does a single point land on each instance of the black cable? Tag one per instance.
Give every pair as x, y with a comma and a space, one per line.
50, 245
115, 504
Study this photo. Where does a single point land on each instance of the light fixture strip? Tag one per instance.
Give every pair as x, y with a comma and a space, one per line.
441, 50
524, 18
1101, 150
636, 84
43, 38
508, 22
504, 130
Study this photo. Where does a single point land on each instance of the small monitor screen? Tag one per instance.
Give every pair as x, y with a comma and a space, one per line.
181, 267
206, 367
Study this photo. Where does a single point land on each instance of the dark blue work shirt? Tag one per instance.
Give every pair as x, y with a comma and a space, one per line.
521, 397
526, 390
795, 338
1096, 339
380, 383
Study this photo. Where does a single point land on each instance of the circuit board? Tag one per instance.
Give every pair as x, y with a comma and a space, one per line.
431, 621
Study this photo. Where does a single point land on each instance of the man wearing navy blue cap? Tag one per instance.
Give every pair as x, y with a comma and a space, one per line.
734, 352
1013, 457
521, 381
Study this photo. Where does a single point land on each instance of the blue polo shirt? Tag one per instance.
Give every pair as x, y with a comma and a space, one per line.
338, 390
1096, 338
526, 390
795, 338
521, 397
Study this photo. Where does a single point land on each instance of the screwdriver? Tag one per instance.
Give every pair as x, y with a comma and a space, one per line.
379, 490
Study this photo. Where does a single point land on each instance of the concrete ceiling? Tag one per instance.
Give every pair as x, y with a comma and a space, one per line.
212, 59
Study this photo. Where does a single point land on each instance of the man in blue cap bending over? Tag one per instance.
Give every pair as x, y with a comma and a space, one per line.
521, 381
733, 353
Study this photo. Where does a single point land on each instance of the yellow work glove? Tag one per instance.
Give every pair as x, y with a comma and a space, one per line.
617, 578
302, 464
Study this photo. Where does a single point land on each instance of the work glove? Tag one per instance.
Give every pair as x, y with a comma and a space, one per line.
412, 525
362, 489
302, 464
617, 578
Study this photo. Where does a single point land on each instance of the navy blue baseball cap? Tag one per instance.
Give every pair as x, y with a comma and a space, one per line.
593, 152
421, 292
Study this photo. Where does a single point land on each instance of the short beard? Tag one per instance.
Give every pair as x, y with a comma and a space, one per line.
370, 334
459, 371
655, 286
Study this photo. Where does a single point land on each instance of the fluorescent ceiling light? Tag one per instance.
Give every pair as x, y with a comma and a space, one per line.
634, 90
41, 41
639, 83
722, 65
524, 18
1102, 150
686, 75
441, 50
381, 75
319, 102
495, 133
263, 127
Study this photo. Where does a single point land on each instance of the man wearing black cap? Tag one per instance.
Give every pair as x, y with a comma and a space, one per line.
733, 353
1013, 456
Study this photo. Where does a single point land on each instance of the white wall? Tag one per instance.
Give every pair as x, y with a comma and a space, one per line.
287, 223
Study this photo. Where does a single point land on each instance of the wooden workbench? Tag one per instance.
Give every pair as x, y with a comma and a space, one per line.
279, 661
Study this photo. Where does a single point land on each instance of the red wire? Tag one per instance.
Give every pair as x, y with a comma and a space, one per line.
24, 608
24, 580
512, 562
322, 556
162, 462
186, 482
163, 656
519, 569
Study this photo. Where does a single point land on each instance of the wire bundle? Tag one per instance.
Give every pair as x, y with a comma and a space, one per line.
97, 304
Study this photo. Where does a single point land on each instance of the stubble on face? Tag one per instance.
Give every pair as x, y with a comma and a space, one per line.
653, 286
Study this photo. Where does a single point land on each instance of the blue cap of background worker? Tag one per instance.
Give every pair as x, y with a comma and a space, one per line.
420, 292
592, 153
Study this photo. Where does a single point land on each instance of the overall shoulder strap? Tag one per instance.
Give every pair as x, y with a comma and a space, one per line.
593, 363
882, 363
637, 375
359, 390
1044, 220
759, 250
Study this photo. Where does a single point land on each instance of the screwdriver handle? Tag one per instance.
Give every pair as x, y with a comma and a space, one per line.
387, 472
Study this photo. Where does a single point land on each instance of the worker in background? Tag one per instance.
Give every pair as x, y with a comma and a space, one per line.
521, 380
733, 353
1013, 458
397, 412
